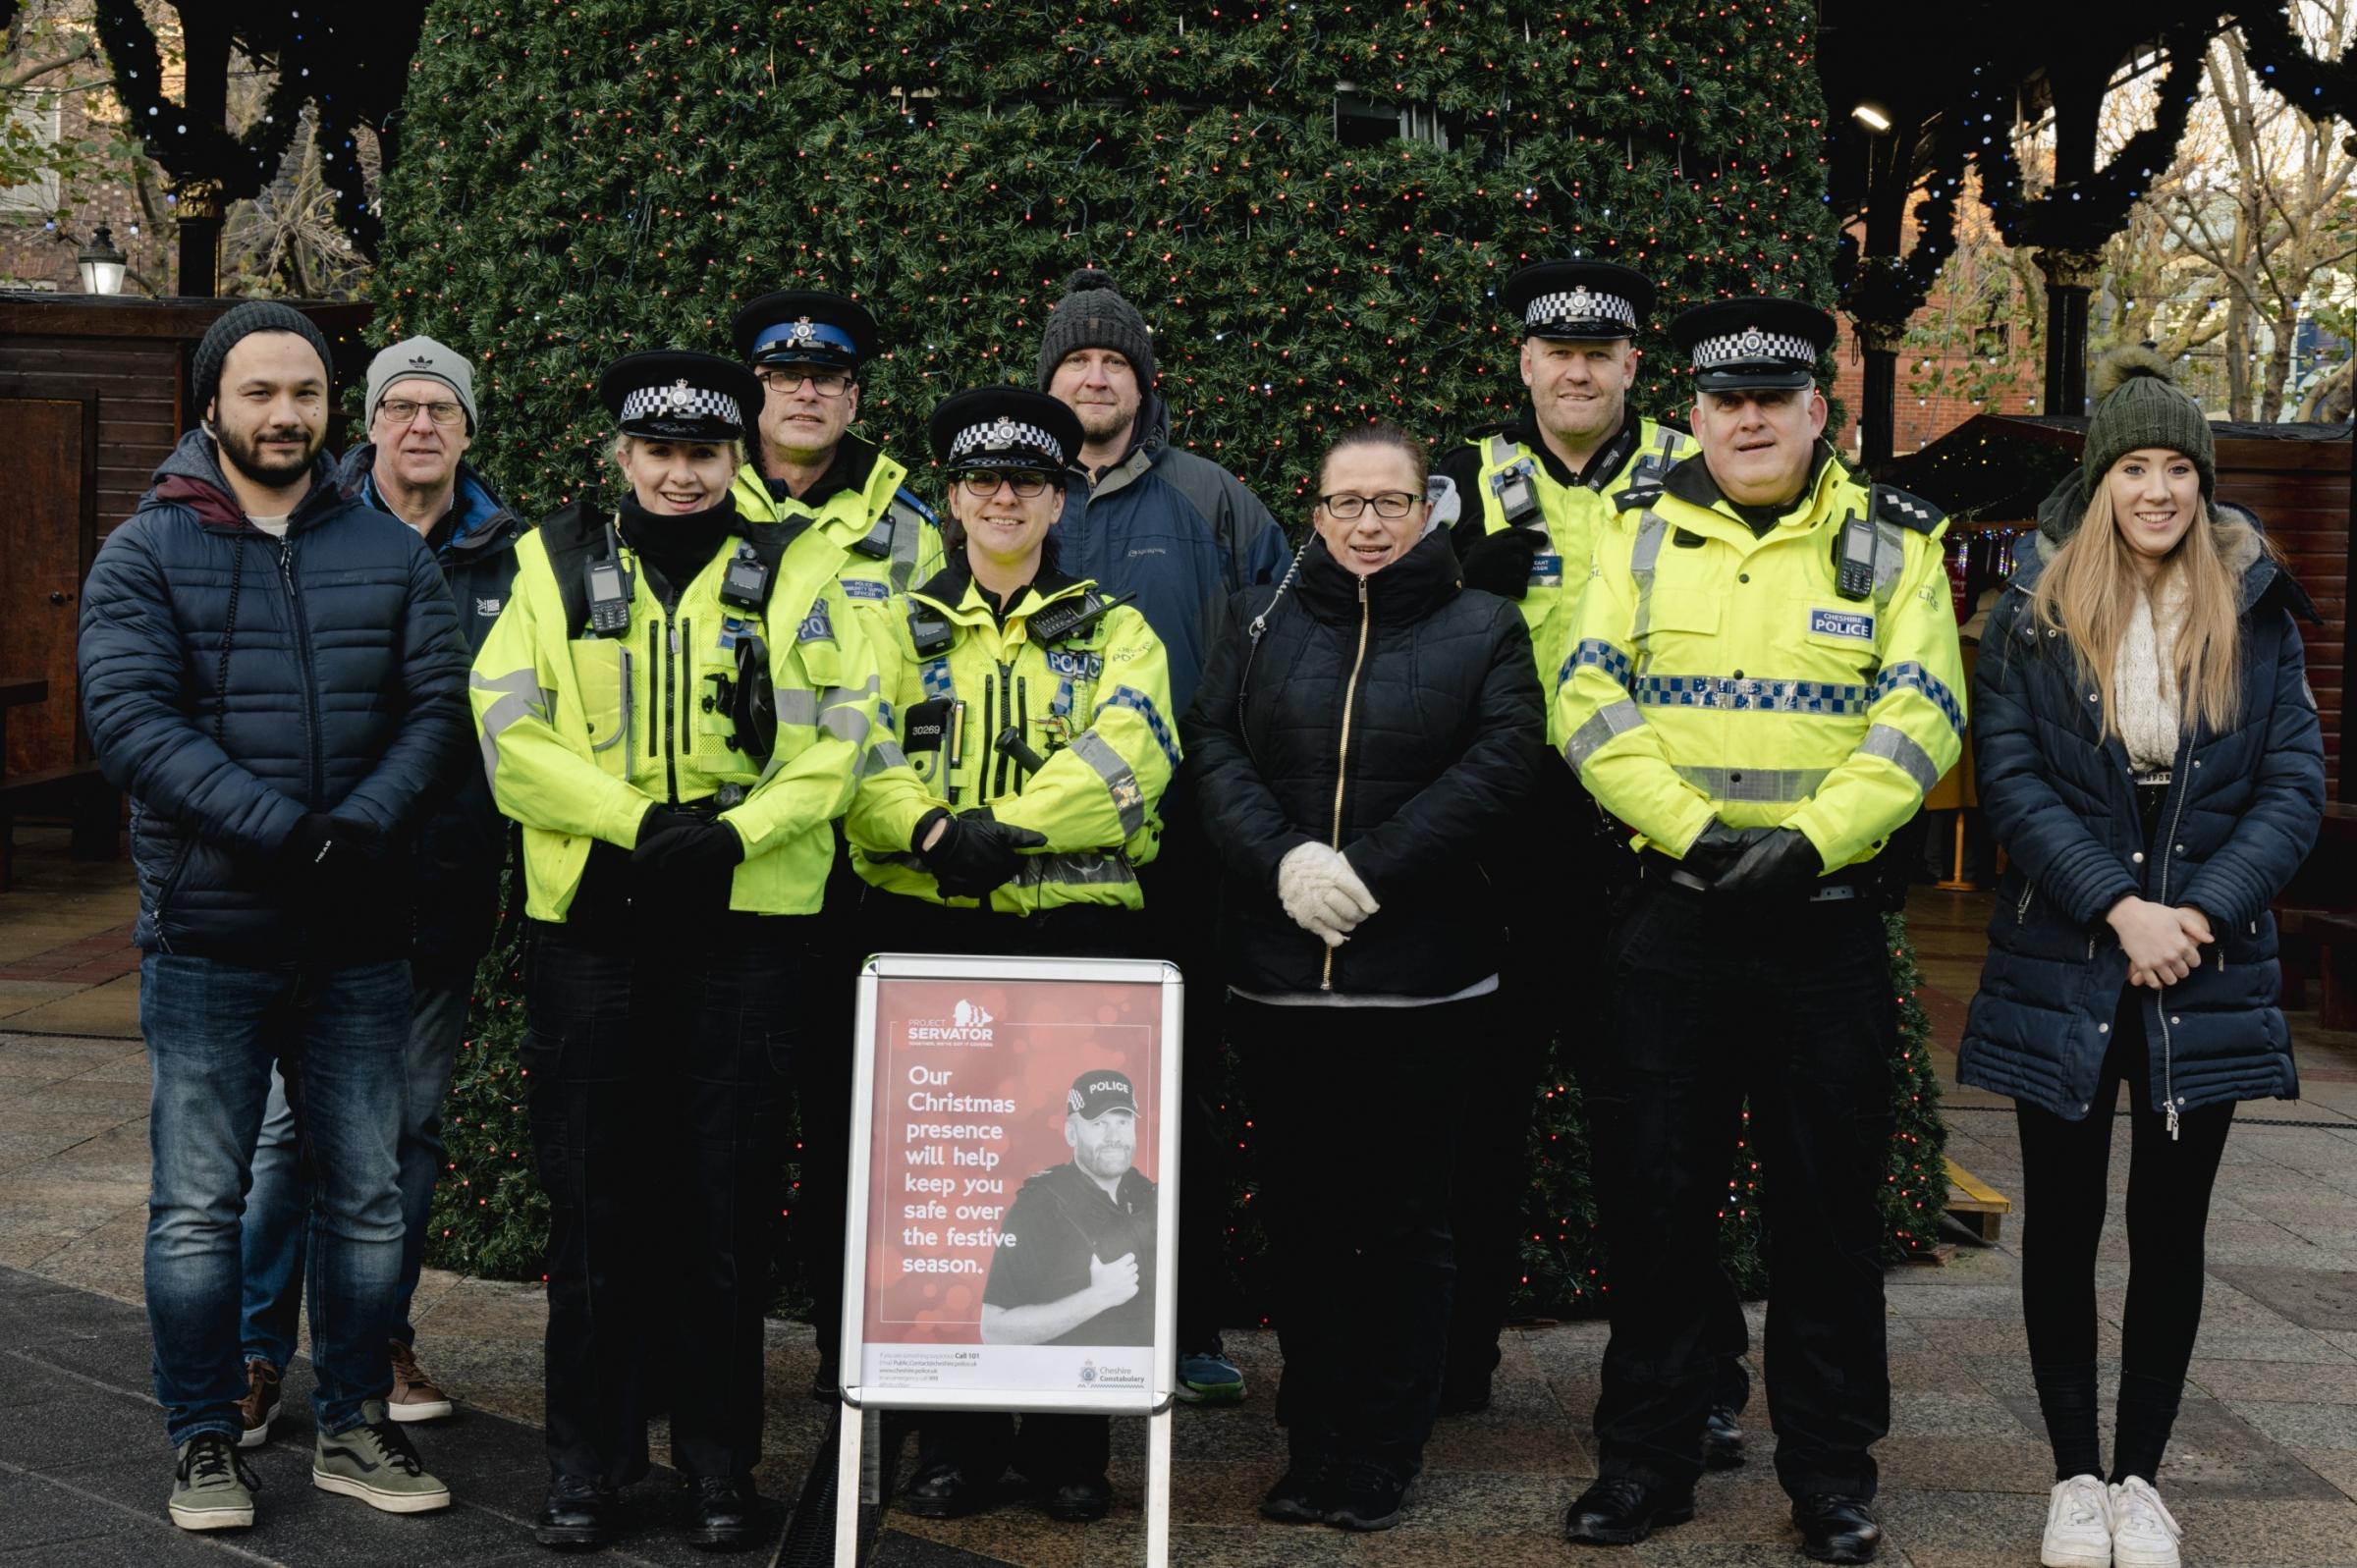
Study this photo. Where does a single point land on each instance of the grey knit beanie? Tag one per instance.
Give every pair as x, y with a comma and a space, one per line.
421, 359
2138, 404
254, 315
1092, 314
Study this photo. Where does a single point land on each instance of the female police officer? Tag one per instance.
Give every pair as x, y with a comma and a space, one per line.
676, 706
1035, 712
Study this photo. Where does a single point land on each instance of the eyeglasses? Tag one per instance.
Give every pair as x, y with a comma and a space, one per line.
1349, 509
983, 483
826, 383
401, 410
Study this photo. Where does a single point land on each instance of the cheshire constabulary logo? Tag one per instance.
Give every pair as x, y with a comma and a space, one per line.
1753, 342
1088, 1372
676, 396
804, 330
1002, 435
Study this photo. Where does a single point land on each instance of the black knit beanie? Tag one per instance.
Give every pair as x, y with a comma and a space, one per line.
1092, 314
254, 315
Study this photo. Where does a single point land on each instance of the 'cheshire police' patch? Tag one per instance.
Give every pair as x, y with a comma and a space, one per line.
1843, 624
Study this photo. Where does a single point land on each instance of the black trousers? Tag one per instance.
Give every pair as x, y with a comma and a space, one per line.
1183, 908
1359, 1114
1049, 1449
2065, 1184
1789, 1005
655, 1085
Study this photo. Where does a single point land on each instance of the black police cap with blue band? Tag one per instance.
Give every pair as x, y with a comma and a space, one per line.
1741, 345
1005, 427
1580, 301
675, 395
805, 326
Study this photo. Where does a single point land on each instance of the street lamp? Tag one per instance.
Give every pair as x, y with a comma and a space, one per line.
1873, 117
100, 263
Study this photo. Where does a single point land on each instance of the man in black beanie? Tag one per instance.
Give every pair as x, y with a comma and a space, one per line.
270, 668
1182, 535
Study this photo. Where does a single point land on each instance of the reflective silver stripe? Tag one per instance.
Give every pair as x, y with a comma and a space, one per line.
885, 753
520, 694
1772, 785
1895, 745
1651, 532
907, 533
1120, 782
1502, 452
1615, 718
839, 718
1076, 869
1889, 559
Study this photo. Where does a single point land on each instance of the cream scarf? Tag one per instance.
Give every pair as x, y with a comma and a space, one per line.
2144, 679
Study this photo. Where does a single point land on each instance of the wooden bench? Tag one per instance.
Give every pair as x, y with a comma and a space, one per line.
1976, 1206
80, 793
2335, 940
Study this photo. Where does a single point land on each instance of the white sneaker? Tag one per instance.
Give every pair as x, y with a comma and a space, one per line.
2143, 1534
2078, 1525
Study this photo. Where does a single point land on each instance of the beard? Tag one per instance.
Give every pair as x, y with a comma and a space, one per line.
1103, 421
242, 448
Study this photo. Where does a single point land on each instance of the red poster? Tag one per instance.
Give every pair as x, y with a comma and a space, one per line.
1014, 1217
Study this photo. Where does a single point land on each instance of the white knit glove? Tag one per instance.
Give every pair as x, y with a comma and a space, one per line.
1321, 894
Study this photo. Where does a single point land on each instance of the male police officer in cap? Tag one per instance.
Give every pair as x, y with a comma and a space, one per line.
806, 348
1074, 1266
1763, 681
1538, 494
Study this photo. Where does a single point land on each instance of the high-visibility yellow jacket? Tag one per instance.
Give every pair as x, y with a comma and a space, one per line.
1719, 674
581, 733
886, 541
1574, 514
1093, 708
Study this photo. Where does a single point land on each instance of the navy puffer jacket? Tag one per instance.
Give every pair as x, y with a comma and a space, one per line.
2241, 812
463, 842
1404, 726
232, 683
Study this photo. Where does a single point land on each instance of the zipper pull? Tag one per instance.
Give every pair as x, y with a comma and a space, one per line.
2172, 1122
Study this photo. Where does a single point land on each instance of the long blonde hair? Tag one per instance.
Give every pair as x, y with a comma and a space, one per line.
2089, 591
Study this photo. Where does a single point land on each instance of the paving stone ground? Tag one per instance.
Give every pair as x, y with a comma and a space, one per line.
2262, 1472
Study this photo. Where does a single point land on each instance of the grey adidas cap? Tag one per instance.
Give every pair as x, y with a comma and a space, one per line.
421, 359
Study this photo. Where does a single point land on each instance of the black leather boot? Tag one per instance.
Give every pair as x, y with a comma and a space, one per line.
579, 1515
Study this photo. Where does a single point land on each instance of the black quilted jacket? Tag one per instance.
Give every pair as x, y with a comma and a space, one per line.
1396, 717
233, 682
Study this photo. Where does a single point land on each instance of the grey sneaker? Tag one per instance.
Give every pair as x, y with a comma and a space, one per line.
211, 1488
375, 1463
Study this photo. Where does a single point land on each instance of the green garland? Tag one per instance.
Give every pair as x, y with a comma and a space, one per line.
584, 178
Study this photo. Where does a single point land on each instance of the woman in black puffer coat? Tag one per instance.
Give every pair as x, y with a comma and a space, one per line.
2149, 756
1366, 735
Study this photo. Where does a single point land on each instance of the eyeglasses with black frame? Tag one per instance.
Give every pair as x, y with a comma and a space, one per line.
1392, 504
402, 411
786, 383
983, 483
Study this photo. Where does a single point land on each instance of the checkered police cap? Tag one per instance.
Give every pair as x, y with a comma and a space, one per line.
1012, 440
1004, 427
680, 401
1750, 344
677, 395
1579, 307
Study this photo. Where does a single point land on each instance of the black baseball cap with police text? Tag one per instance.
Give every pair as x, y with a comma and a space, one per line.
1095, 1092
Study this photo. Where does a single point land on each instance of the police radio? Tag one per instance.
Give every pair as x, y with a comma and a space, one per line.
609, 594
1069, 617
1853, 559
745, 582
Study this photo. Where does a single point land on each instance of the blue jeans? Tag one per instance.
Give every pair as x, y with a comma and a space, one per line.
278, 1207
213, 1030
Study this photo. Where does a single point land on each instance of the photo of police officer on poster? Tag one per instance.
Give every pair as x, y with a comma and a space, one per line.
1013, 1186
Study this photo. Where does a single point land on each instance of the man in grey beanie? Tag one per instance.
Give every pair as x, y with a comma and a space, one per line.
1182, 535
421, 417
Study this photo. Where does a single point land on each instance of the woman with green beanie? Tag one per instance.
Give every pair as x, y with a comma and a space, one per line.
2150, 758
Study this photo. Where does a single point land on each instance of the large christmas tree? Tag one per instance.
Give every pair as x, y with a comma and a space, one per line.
1313, 204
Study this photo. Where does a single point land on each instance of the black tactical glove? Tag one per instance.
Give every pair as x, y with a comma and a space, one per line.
1716, 853
322, 849
1782, 862
975, 852
1501, 563
682, 853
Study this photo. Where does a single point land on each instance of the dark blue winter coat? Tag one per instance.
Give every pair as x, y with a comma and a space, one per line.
2241, 812
233, 682
1178, 531
463, 842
